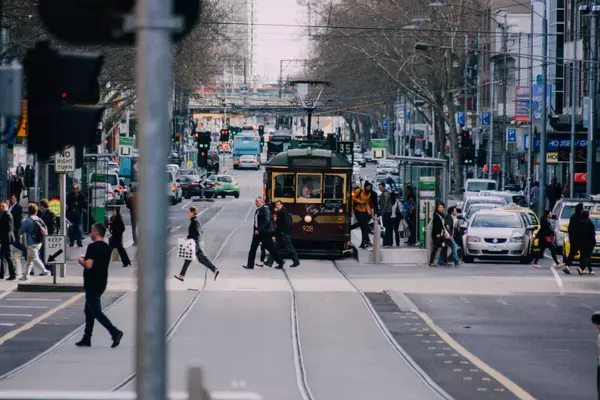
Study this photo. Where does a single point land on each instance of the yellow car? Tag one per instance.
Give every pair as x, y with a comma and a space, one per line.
531, 219
595, 218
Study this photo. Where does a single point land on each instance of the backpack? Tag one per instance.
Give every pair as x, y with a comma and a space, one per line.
39, 230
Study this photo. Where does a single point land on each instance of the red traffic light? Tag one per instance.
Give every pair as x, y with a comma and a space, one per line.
202, 154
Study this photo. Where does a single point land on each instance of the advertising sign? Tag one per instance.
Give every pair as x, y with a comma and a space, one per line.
537, 100
522, 104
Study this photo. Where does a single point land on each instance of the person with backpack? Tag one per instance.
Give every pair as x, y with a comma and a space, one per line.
283, 237
35, 229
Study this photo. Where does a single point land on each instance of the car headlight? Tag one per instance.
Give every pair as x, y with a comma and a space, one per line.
473, 239
516, 239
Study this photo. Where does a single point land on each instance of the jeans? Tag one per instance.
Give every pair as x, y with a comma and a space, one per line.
363, 220
443, 254
93, 311
75, 231
202, 259
33, 259
285, 241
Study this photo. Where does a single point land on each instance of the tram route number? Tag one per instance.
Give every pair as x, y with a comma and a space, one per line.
346, 148
307, 228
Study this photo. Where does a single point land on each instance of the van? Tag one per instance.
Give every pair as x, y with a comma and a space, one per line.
474, 186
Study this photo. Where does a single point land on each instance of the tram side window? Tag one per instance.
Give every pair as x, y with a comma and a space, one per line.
284, 186
309, 186
334, 187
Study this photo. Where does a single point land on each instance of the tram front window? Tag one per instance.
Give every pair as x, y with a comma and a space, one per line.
334, 187
309, 186
284, 186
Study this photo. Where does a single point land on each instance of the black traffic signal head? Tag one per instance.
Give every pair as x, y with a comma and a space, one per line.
56, 84
224, 135
96, 22
261, 130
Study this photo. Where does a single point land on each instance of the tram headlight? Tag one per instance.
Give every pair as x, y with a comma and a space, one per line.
308, 219
340, 210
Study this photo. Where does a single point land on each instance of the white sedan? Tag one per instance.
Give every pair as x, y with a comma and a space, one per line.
248, 161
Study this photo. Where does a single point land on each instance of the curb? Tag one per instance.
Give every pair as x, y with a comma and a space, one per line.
50, 288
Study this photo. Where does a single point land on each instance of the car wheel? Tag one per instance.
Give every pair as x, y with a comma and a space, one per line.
173, 200
223, 195
467, 259
237, 195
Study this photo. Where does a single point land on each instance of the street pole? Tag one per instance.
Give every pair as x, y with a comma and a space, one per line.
465, 88
591, 137
62, 185
492, 116
573, 113
530, 140
544, 133
36, 180
402, 138
478, 116
504, 167
154, 25
3, 144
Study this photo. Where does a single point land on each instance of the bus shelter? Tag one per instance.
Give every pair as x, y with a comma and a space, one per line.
430, 182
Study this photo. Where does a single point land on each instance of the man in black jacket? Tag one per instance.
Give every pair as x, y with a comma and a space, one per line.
16, 211
283, 238
48, 217
76, 205
574, 237
263, 233
7, 238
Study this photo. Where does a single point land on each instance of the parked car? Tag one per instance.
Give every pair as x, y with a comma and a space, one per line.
517, 198
360, 160
174, 192
385, 167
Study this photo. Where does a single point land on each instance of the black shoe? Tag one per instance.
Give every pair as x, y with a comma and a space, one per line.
71, 244
11, 278
79, 245
280, 266
216, 274
126, 265
117, 339
295, 265
269, 265
247, 267
84, 343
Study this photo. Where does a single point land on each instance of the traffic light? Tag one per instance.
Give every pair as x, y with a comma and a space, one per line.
96, 22
466, 141
469, 156
203, 148
58, 84
261, 130
522, 159
224, 135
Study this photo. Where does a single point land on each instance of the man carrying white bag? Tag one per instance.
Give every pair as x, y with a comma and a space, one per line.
191, 246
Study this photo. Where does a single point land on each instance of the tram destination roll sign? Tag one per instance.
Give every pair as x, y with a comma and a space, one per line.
307, 162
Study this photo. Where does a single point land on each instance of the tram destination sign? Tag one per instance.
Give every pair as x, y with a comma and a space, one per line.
336, 204
309, 162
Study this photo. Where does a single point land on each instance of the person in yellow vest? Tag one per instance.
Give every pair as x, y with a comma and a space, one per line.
363, 210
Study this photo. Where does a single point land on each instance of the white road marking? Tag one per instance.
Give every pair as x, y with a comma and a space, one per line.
40, 307
558, 280
183, 207
551, 304
16, 315
6, 324
503, 302
24, 299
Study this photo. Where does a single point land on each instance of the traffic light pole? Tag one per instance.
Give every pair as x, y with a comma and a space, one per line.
154, 24
3, 146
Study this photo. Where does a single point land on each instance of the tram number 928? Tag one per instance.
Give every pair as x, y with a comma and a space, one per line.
307, 228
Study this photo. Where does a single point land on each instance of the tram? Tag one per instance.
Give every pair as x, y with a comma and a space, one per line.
315, 186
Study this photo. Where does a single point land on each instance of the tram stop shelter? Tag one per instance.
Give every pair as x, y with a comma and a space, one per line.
429, 180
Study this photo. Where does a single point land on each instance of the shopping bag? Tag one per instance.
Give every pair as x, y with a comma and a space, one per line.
115, 255
186, 249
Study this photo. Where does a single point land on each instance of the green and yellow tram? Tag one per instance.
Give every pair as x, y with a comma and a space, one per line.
315, 186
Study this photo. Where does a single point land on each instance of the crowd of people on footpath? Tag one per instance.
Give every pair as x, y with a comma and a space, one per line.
398, 216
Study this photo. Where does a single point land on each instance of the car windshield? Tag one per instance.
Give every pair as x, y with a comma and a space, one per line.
484, 200
486, 220
387, 165
227, 179
478, 186
478, 207
192, 178
568, 210
533, 220
169, 177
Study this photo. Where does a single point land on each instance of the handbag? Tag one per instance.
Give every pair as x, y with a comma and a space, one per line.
186, 249
115, 255
445, 233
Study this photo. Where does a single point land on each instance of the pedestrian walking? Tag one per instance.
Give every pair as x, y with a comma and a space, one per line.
385, 210
396, 217
438, 232
76, 205
16, 211
34, 229
7, 239
535, 195
545, 237
574, 237
117, 228
130, 202
263, 234
283, 237
363, 210
410, 216
195, 234
95, 279
451, 225
588, 242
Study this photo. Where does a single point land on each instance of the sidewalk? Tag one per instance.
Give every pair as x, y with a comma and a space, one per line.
403, 254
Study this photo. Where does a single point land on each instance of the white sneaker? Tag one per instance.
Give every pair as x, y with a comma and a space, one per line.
23, 278
46, 273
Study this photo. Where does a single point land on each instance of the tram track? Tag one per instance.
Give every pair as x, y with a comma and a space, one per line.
186, 311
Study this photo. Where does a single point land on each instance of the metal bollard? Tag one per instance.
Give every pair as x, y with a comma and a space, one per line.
596, 321
196, 390
376, 241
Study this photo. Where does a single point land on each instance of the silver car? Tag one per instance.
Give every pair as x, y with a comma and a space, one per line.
562, 212
387, 167
248, 161
497, 234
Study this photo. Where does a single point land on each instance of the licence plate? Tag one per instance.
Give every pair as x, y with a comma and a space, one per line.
246, 141
495, 248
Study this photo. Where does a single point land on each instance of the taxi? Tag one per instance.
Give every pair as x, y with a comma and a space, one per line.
529, 215
595, 218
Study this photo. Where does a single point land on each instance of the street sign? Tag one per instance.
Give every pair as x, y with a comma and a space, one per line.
64, 161
485, 118
384, 124
407, 115
125, 147
526, 141
54, 249
511, 135
461, 118
539, 79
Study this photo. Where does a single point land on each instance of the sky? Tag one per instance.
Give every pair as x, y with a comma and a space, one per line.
275, 43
